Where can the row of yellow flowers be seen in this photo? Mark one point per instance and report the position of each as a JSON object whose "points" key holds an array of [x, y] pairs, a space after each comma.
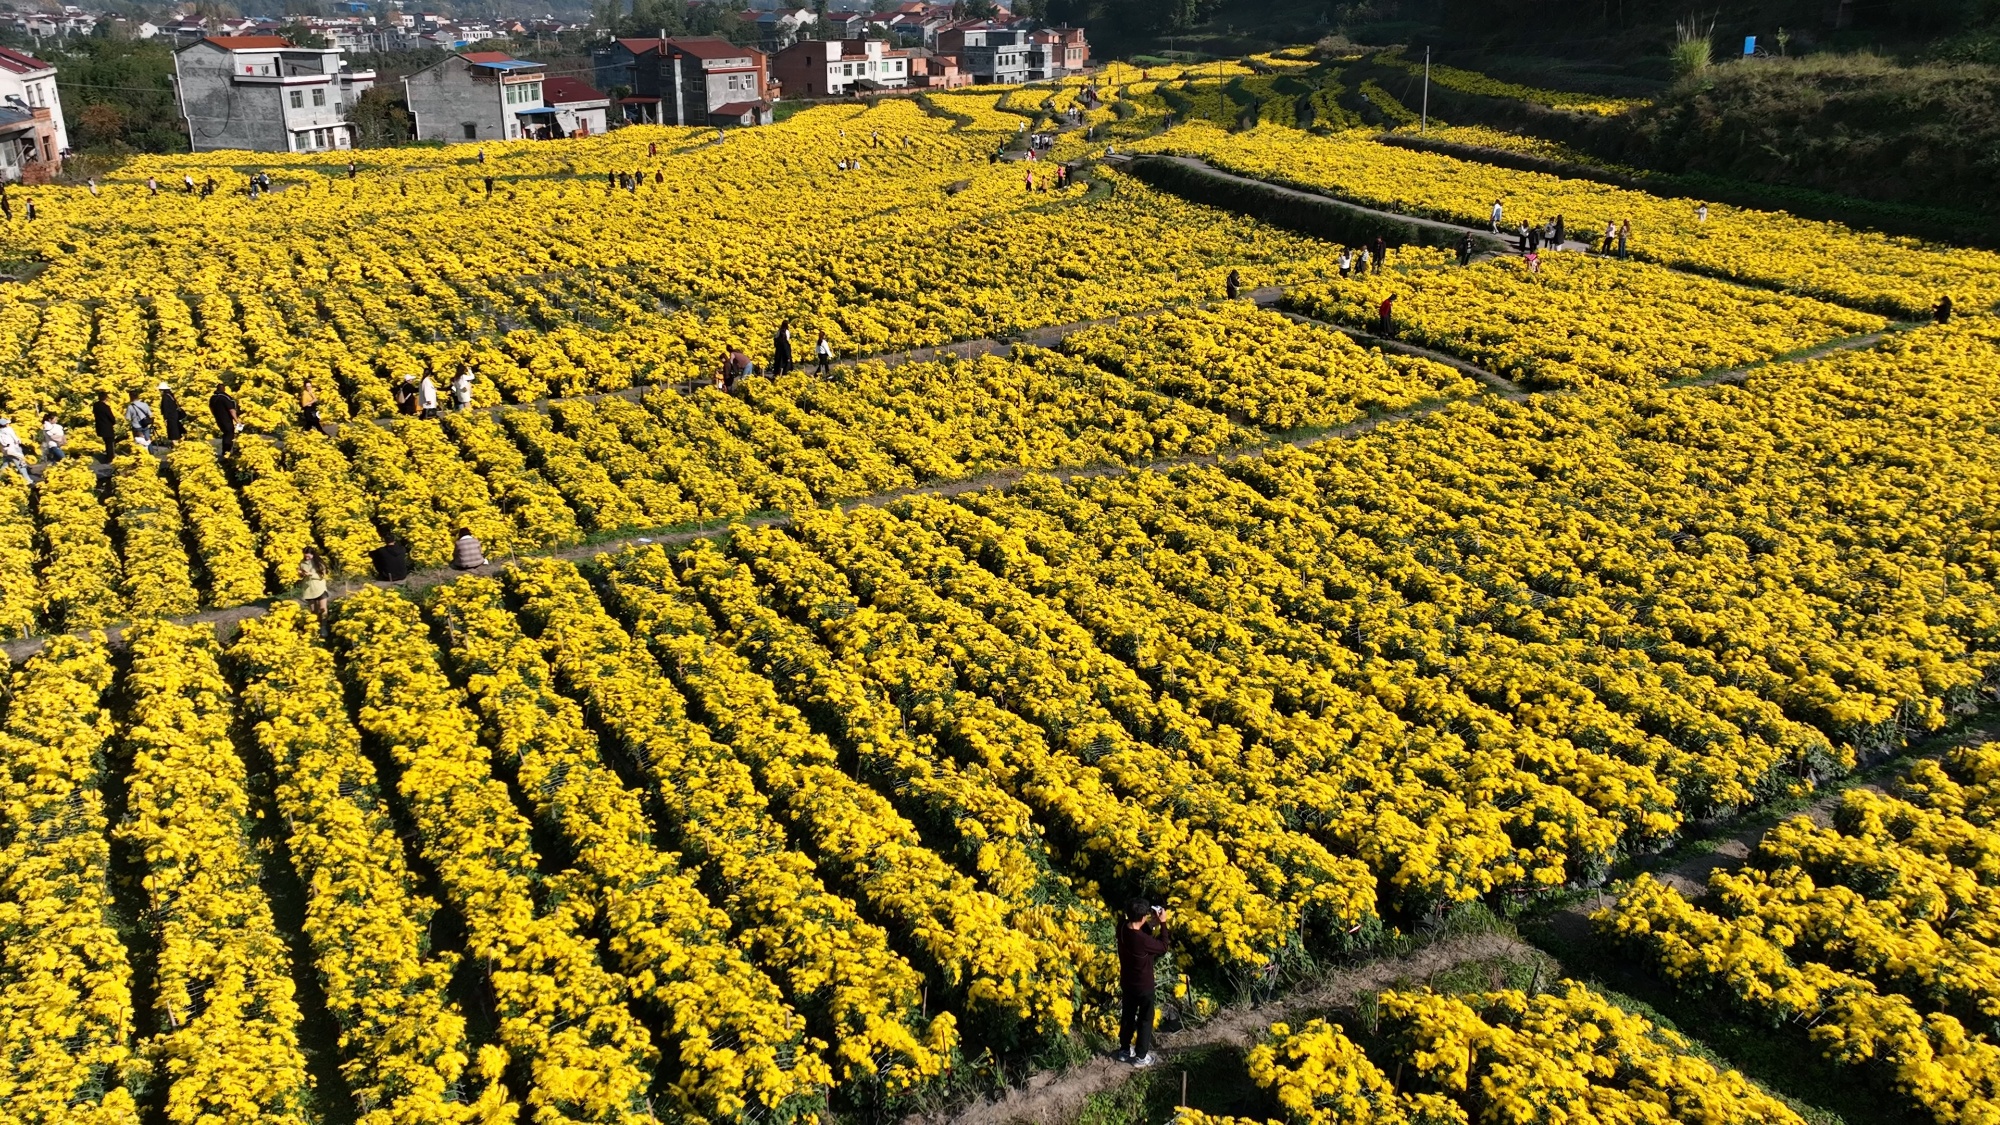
{"points": [[1499, 1058], [1573, 320], [1884, 274], [562, 1017], [858, 994], [227, 1042], [65, 975], [739, 1046], [405, 1052], [1878, 934]]}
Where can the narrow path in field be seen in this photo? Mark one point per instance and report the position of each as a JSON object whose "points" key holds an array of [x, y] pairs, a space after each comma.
{"points": [[1494, 245], [1490, 244], [1048, 1099]]}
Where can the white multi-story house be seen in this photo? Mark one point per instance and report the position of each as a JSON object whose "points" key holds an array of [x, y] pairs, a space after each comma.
{"points": [[821, 68], [264, 93], [32, 136]]}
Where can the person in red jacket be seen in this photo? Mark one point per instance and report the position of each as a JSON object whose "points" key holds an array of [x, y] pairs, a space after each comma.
{"points": [[1388, 312], [1142, 940]]}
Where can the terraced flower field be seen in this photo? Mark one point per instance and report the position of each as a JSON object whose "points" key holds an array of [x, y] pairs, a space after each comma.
{"points": [[795, 757]]}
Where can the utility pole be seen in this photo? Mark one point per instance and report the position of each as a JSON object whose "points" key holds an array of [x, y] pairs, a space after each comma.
{"points": [[1424, 123]]}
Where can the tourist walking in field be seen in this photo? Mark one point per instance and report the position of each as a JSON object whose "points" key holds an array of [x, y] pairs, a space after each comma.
{"points": [[10, 451], [1387, 313], [406, 396], [1465, 250], [222, 407], [1142, 941], [1496, 216], [1561, 235], [1610, 236], [781, 351], [313, 592], [1381, 253], [105, 421], [1701, 212], [139, 417], [171, 414], [1346, 264], [1624, 236], [309, 409], [823, 357], [465, 550], [55, 442], [427, 397], [461, 390]]}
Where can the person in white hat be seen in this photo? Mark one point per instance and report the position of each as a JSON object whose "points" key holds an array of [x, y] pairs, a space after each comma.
{"points": [[10, 450]]}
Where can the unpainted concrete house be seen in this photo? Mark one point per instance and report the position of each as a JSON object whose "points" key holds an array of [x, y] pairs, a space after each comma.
{"points": [[480, 96], [265, 93]]}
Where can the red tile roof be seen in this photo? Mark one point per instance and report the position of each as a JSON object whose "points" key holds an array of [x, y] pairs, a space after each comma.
{"points": [[487, 56], [568, 91], [21, 62], [249, 42], [737, 109], [710, 48], [640, 46]]}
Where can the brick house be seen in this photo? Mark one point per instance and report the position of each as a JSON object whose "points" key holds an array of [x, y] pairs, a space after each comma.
{"points": [[686, 81]]}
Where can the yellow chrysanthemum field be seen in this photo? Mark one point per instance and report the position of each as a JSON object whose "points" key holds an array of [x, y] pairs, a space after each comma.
{"points": [[798, 750]]}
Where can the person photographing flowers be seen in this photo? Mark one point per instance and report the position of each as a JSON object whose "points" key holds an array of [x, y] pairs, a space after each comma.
{"points": [[1142, 940]]}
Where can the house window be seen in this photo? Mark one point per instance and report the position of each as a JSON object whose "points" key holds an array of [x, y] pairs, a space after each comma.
{"points": [[319, 97], [471, 131], [298, 99]]}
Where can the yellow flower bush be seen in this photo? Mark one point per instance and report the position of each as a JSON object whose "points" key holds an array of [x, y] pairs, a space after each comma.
{"points": [[1582, 319], [227, 1043], [1279, 375], [1510, 1058], [19, 595], [740, 1045], [80, 569], [862, 997], [563, 1017], [65, 977], [1877, 933], [405, 1053], [231, 572], [1473, 82]]}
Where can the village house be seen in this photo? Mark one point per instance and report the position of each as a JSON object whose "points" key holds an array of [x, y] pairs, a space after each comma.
{"points": [[479, 96], [580, 110], [690, 81], [988, 50], [821, 68], [265, 93], [32, 135]]}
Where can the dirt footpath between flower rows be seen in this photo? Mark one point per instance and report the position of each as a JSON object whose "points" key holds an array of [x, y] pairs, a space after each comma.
{"points": [[1053, 1099]]}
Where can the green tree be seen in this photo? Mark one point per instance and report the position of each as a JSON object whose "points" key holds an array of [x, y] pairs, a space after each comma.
{"points": [[380, 119]]}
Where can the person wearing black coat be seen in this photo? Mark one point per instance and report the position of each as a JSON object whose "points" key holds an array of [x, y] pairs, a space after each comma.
{"points": [[172, 415], [222, 407], [1142, 940], [781, 351], [105, 421]]}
